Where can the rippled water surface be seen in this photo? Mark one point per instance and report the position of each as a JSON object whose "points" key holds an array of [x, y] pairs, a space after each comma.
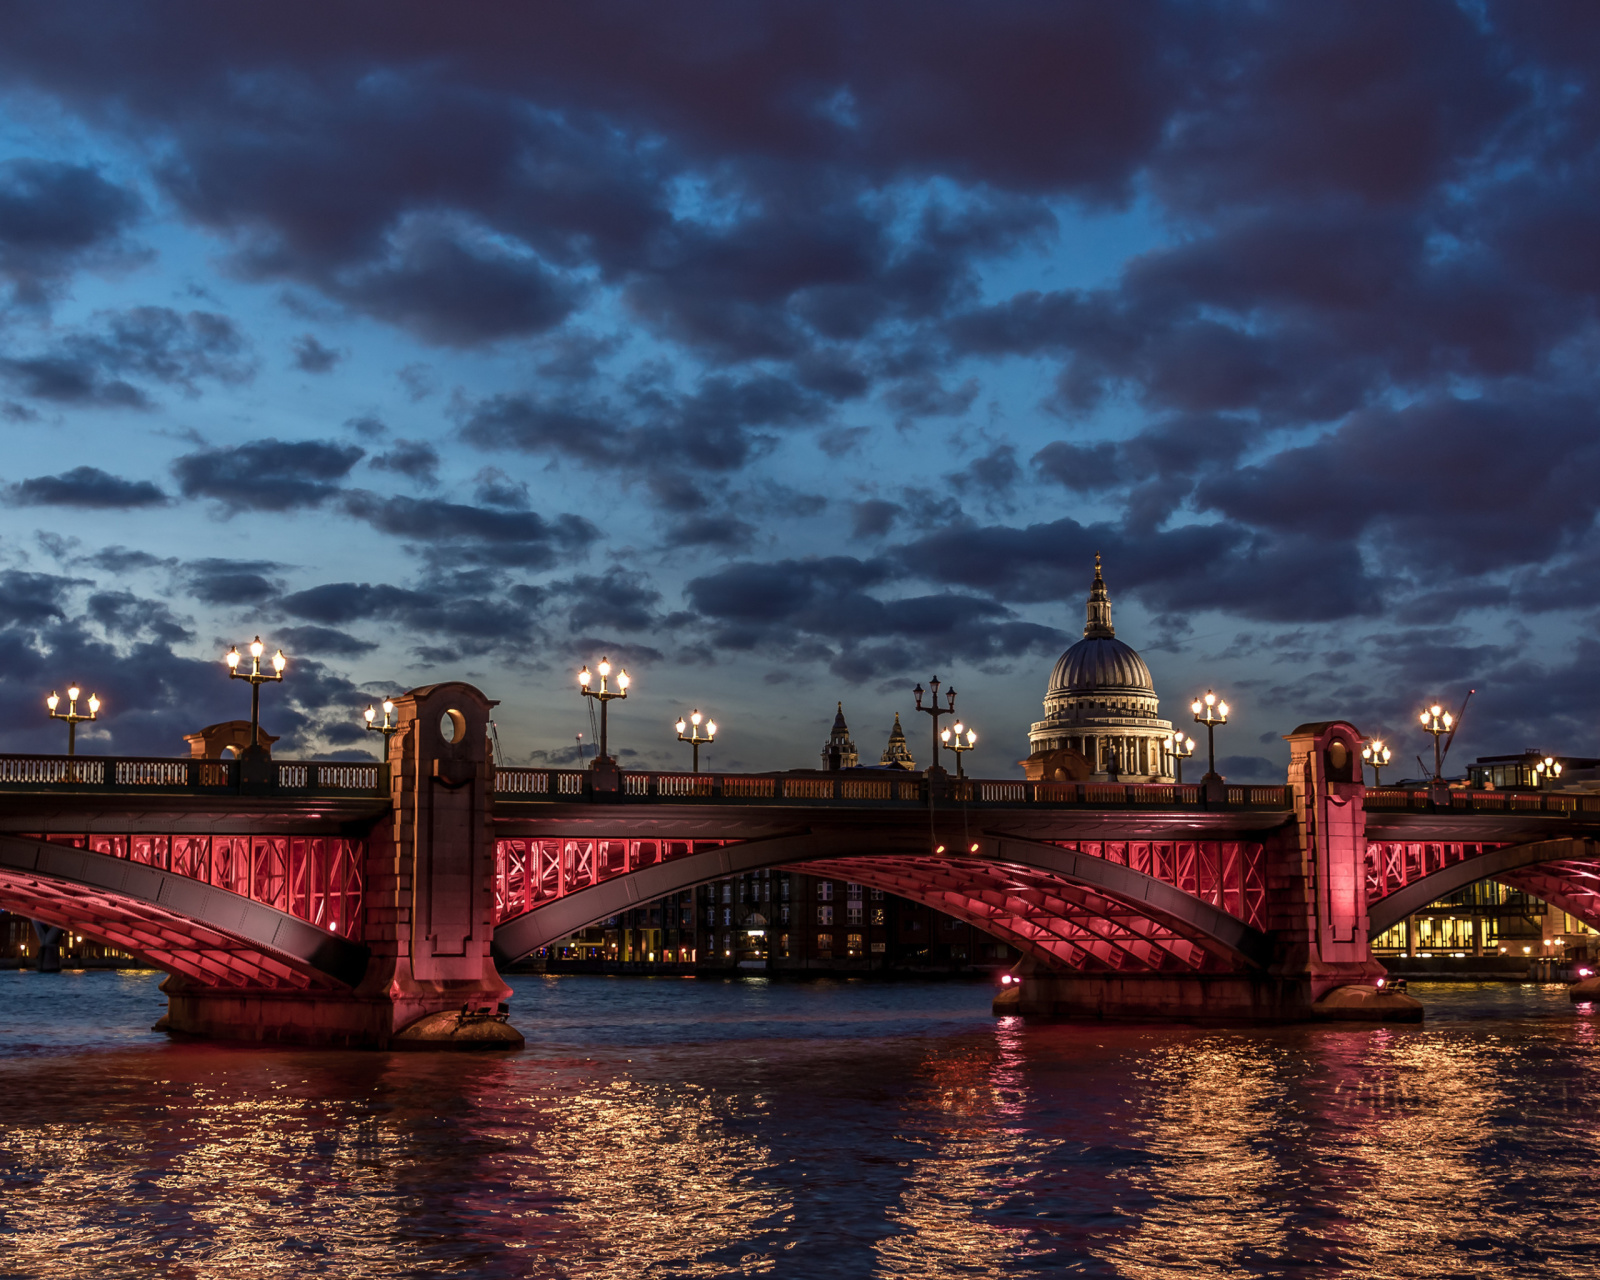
{"points": [[672, 1127]]}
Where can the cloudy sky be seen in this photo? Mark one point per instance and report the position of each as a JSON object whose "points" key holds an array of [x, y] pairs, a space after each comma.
{"points": [[793, 353]]}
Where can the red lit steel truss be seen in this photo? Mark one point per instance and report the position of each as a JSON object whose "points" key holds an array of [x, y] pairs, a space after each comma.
{"points": [[1065, 923], [1573, 885], [1392, 865], [316, 879]]}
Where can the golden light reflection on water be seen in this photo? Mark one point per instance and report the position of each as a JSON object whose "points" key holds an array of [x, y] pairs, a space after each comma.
{"points": [[1461, 1148]]}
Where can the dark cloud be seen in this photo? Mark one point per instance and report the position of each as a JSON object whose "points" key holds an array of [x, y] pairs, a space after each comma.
{"points": [[496, 489], [874, 517], [325, 642], [458, 534], [267, 475], [128, 617], [231, 582], [416, 459], [310, 356], [57, 218], [827, 607], [618, 600], [152, 344], [85, 487], [476, 617]]}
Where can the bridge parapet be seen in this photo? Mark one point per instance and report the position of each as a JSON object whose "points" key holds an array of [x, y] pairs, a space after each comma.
{"points": [[565, 785], [1465, 801], [148, 774]]}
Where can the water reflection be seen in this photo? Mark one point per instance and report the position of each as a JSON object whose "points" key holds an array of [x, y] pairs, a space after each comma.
{"points": [[695, 1129]]}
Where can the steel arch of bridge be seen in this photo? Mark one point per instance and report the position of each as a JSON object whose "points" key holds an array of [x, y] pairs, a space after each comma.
{"points": [[1061, 905], [1565, 873], [177, 922]]}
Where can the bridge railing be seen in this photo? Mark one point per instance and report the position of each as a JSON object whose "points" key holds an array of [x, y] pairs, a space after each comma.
{"points": [[1470, 801], [166, 774], [572, 784]]}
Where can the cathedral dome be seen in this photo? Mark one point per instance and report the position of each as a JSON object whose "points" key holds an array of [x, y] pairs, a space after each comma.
{"points": [[1100, 662]]}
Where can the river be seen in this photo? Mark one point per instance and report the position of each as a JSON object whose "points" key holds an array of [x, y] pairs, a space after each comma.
{"points": [[661, 1127]]}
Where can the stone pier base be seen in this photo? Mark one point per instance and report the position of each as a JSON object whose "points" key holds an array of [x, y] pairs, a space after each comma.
{"points": [[428, 1017], [1198, 998]]}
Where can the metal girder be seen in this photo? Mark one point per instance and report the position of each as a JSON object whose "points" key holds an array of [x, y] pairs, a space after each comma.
{"points": [[1192, 920], [76, 886], [1389, 911]]}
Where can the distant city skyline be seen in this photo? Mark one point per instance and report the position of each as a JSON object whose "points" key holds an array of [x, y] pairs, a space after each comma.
{"points": [[795, 355]]}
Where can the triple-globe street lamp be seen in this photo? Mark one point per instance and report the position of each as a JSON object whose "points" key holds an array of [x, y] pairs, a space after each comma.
{"points": [[1210, 711], [1377, 754], [1437, 721], [72, 715], [959, 739], [694, 737], [1547, 770], [603, 694], [387, 728], [1181, 748], [257, 677]]}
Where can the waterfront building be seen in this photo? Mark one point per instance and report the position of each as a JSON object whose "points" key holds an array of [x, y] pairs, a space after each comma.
{"points": [[1102, 717]]}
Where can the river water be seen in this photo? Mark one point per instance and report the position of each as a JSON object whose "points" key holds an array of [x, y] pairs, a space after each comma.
{"points": [[679, 1127]]}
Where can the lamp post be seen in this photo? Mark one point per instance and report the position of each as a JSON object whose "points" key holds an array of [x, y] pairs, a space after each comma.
{"points": [[694, 737], [72, 715], [1437, 721], [603, 695], [388, 728], [1377, 755], [935, 710], [257, 677], [1210, 711], [1182, 748], [952, 739], [1547, 770]]}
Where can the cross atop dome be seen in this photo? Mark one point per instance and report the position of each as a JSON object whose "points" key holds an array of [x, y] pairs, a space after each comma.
{"points": [[1099, 625]]}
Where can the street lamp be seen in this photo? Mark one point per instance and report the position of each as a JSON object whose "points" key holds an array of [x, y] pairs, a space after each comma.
{"points": [[257, 677], [1182, 748], [1210, 711], [1377, 755], [603, 694], [72, 715], [1547, 770], [695, 737], [1437, 721], [935, 710], [952, 739], [387, 728]]}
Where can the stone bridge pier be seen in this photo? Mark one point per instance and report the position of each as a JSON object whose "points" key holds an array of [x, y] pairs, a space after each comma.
{"points": [[1319, 964], [430, 980]]}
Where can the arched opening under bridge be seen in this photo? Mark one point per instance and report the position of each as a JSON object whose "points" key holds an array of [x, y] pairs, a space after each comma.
{"points": [[1065, 908], [1564, 873], [172, 921]]}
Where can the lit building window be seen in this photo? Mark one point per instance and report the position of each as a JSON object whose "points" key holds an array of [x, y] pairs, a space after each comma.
{"points": [[877, 915], [852, 944], [824, 915], [825, 944]]}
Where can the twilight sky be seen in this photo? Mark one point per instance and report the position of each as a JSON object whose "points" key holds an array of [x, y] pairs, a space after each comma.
{"points": [[793, 353]]}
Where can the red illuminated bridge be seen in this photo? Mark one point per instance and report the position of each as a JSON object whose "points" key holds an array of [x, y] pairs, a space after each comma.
{"points": [[366, 904]]}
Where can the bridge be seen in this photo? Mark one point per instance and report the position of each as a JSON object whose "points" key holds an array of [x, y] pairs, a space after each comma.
{"points": [[376, 904]]}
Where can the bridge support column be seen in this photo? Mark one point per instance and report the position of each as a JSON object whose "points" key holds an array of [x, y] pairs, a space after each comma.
{"points": [[1320, 920], [427, 908]]}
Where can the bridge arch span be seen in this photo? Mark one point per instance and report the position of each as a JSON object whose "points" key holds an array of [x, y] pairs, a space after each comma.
{"points": [[1565, 873], [174, 922], [1066, 908]]}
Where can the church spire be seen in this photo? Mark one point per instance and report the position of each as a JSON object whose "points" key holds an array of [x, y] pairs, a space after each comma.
{"points": [[1099, 625]]}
